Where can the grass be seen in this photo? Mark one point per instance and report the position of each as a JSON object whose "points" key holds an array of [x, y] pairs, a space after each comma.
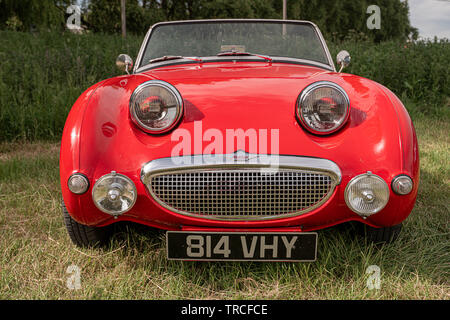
{"points": [[36, 250]]}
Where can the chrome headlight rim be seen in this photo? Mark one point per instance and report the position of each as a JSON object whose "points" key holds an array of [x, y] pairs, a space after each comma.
{"points": [[172, 90], [310, 88], [104, 177], [354, 180]]}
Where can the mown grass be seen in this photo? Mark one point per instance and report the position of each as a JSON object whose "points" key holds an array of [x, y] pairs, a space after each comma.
{"points": [[36, 250]]}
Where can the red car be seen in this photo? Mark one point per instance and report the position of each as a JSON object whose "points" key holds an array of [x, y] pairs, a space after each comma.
{"points": [[240, 139]]}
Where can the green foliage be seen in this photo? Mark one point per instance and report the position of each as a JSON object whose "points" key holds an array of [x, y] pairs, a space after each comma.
{"points": [[41, 75], [337, 19], [222, 9], [417, 72], [105, 16], [29, 15], [340, 19]]}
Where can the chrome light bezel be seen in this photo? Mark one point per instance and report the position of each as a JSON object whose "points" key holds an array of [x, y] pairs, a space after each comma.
{"points": [[104, 177], [353, 181], [78, 175], [172, 90], [308, 90], [396, 179]]}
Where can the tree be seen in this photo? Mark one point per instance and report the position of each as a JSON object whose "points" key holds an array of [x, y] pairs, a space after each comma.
{"points": [[337, 19], [105, 16], [221, 9], [26, 15], [343, 19]]}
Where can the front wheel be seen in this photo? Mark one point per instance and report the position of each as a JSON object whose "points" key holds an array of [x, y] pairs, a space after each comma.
{"points": [[382, 235], [82, 235]]}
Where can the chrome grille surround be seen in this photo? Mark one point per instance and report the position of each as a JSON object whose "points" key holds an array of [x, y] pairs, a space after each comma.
{"points": [[241, 186]]}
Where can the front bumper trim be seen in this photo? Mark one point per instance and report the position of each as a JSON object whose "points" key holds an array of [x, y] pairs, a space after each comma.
{"points": [[239, 159]]}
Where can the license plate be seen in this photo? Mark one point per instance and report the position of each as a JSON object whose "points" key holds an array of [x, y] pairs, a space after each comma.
{"points": [[241, 246]]}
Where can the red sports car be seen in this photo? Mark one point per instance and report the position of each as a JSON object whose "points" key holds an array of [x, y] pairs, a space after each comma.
{"points": [[240, 139]]}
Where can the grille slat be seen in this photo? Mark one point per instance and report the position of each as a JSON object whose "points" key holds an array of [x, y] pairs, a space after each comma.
{"points": [[244, 194]]}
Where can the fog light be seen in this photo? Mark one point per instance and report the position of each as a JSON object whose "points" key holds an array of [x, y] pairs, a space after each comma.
{"points": [[78, 183], [402, 185], [114, 194], [366, 194]]}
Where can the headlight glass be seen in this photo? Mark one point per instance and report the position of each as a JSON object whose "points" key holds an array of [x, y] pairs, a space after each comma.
{"points": [[114, 194], [366, 194], [323, 107], [156, 106]]}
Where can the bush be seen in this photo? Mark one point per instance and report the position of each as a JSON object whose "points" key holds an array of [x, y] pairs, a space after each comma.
{"points": [[41, 75], [416, 72]]}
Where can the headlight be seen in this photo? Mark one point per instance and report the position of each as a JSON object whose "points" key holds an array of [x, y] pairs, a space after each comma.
{"points": [[366, 194], [114, 194], [156, 106], [323, 107]]}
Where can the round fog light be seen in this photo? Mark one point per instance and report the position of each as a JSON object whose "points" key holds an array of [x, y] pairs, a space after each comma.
{"points": [[402, 185], [366, 194], [78, 183], [114, 194]]}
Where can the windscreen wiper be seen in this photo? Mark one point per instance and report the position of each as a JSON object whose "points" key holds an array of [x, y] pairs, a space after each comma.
{"points": [[236, 53], [165, 58]]}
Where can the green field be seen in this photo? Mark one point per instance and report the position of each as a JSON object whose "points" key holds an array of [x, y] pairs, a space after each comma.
{"points": [[36, 250]]}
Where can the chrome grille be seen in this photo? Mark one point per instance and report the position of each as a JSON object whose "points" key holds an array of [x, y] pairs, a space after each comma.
{"points": [[241, 194]]}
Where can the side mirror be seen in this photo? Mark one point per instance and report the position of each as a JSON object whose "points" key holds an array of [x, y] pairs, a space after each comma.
{"points": [[124, 63], [343, 59]]}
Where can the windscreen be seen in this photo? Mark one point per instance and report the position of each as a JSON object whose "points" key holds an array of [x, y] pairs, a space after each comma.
{"points": [[206, 39]]}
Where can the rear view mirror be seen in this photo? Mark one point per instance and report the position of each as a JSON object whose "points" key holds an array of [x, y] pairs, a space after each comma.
{"points": [[343, 59], [124, 63]]}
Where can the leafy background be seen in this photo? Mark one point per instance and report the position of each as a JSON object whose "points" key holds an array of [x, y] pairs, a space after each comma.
{"points": [[42, 74], [44, 68]]}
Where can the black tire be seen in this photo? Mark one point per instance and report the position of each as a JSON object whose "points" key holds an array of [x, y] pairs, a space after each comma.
{"points": [[382, 235], [82, 235]]}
